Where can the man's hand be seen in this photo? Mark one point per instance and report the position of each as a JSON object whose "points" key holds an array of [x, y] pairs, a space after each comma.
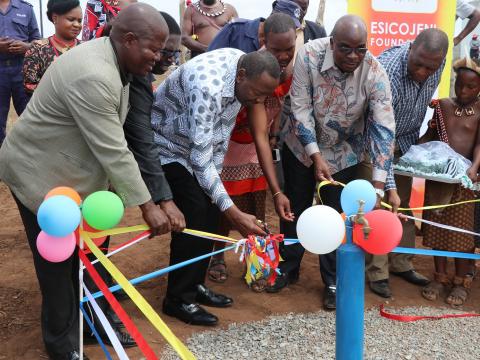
{"points": [[155, 218], [282, 207], [5, 44], [177, 220], [246, 224], [394, 199], [18, 47], [321, 168]]}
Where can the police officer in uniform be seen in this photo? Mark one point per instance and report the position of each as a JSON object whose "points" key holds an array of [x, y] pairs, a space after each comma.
{"points": [[18, 28]]}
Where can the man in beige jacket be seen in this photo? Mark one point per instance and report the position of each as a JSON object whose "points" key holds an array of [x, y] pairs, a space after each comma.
{"points": [[71, 134]]}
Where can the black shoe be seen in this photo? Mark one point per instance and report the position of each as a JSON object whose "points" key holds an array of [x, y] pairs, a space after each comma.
{"points": [[189, 313], [293, 277], [113, 318], [413, 277], [381, 288], [72, 355], [280, 282], [124, 337], [330, 297], [207, 297]]}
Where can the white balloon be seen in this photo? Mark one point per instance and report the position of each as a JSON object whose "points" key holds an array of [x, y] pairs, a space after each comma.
{"points": [[320, 229]]}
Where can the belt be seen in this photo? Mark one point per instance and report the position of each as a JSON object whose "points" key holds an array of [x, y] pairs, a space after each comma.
{"points": [[11, 62]]}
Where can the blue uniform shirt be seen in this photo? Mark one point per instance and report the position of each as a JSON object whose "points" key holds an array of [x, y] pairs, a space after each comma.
{"points": [[18, 23], [240, 34]]}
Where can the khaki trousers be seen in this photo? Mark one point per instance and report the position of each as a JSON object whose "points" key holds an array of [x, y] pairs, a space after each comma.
{"points": [[377, 266]]}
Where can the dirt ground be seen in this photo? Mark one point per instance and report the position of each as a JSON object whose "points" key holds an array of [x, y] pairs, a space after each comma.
{"points": [[20, 298], [20, 334]]}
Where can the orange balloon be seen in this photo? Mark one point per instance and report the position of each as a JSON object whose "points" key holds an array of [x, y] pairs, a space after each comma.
{"points": [[65, 191]]}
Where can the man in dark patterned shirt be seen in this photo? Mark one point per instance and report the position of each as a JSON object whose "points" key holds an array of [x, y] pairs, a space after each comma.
{"points": [[414, 70]]}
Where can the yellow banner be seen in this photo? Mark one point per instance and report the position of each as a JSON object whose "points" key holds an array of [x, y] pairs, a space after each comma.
{"points": [[393, 22]]}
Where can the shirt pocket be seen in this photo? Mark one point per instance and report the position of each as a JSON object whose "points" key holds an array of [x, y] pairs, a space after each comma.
{"points": [[20, 28]]}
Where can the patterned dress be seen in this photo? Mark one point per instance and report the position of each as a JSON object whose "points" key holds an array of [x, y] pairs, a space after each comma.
{"points": [[461, 216], [38, 58], [242, 174]]}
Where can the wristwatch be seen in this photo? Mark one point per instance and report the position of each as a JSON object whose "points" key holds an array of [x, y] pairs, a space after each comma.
{"points": [[380, 193]]}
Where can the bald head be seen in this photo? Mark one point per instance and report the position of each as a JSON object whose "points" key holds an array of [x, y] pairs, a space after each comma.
{"points": [[351, 26], [349, 42], [139, 33], [141, 19]]}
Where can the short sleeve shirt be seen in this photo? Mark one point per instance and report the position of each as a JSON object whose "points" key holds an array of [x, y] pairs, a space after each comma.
{"points": [[464, 9]]}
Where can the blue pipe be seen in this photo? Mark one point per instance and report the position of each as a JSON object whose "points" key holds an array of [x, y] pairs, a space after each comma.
{"points": [[350, 299]]}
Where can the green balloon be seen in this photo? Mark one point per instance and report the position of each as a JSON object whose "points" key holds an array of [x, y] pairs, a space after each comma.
{"points": [[102, 210]]}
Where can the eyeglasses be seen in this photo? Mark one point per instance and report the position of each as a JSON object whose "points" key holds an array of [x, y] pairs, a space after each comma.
{"points": [[348, 50], [172, 53]]}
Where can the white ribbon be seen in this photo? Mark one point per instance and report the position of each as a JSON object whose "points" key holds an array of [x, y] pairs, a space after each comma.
{"points": [[122, 355], [443, 226]]}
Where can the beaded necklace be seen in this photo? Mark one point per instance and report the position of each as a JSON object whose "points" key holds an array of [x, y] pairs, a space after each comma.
{"points": [[215, 14]]}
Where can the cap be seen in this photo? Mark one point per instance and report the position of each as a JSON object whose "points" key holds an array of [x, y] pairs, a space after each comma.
{"points": [[289, 8]]}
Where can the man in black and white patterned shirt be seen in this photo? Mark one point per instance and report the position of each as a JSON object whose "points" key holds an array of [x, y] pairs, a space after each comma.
{"points": [[193, 116]]}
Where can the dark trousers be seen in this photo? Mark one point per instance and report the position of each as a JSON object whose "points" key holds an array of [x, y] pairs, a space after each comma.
{"points": [[299, 188], [59, 286], [200, 214], [11, 87]]}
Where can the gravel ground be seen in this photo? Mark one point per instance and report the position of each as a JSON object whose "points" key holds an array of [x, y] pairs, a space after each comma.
{"points": [[312, 336]]}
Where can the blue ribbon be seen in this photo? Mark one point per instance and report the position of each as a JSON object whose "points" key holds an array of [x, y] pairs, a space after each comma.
{"points": [[160, 272], [398, 250], [97, 336]]}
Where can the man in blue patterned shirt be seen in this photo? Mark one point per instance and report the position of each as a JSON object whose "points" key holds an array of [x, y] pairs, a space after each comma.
{"points": [[414, 70], [193, 116], [341, 106]]}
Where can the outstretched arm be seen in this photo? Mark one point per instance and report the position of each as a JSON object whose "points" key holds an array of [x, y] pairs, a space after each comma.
{"points": [[258, 122]]}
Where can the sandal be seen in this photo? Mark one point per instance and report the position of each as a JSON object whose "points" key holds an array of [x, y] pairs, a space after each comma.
{"points": [[436, 287], [217, 271], [460, 291]]}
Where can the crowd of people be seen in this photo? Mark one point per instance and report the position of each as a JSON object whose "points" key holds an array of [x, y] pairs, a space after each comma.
{"points": [[198, 151]]}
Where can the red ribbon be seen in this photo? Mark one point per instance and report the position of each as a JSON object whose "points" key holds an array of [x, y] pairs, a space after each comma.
{"points": [[129, 325], [410, 318]]}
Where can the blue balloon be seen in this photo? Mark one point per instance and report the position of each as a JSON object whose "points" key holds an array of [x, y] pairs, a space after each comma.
{"points": [[353, 192], [59, 216]]}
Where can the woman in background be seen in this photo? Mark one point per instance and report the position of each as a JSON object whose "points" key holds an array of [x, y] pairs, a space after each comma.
{"points": [[66, 15]]}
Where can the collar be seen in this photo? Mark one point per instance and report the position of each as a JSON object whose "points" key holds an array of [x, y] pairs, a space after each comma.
{"points": [[404, 59], [328, 62], [15, 3], [124, 76]]}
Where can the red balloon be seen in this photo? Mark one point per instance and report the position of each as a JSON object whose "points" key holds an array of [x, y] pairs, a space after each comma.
{"points": [[385, 232], [97, 241]]}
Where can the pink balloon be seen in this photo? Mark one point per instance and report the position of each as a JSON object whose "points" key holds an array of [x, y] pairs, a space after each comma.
{"points": [[55, 249]]}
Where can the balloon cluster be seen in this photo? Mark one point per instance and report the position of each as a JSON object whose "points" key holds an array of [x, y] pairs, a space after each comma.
{"points": [[321, 229], [60, 214]]}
